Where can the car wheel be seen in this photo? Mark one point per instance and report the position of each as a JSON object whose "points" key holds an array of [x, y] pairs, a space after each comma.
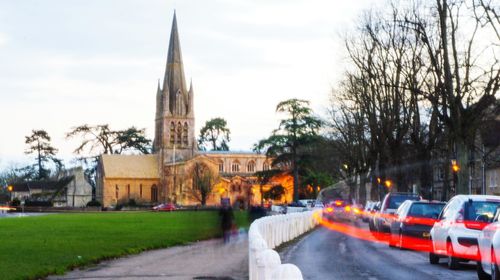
{"points": [[433, 258], [402, 244], [495, 272], [481, 275], [392, 241], [452, 261]]}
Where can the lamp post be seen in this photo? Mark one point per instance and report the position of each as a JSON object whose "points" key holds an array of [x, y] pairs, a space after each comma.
{"points": [[455, 168], [10, 189]]}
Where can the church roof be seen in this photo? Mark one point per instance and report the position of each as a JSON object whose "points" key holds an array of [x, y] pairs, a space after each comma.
{"points": [[174, 81], [130, 166], [231, 153], [43, 185]]}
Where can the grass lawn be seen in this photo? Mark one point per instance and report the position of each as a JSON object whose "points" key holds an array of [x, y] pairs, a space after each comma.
{"points": [[33, 247]]}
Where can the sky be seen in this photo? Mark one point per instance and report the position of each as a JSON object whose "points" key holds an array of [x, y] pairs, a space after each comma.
{"points": [[67, 63]]}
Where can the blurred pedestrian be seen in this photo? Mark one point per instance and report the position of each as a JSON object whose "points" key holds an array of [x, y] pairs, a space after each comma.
{"points": [[227, 217]]}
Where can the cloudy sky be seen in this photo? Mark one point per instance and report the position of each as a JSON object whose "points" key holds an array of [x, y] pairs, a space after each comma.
{"points": [[66, 63]]}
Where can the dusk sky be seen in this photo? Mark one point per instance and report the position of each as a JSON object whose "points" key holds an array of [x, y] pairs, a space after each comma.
{"points": [[67, 63]]}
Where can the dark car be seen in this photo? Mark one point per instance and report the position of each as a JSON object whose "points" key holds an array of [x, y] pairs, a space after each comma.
{"points": [[382, 219], [413, 222]]}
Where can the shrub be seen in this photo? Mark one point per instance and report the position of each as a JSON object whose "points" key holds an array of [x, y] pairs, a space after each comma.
{"points": [[15, 202], [93, 203], [132, 202], [39, 203]]}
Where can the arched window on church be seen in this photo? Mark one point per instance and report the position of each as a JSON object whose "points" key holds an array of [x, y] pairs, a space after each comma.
{"points": [[265, 166], [235, 166], [179, 133], [172, 133], [185, 134], [154, 193], [179, 103], [251, 166]]}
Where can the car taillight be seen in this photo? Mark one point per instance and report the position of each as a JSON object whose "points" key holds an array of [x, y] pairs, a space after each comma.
{"points": [[475, 225]]}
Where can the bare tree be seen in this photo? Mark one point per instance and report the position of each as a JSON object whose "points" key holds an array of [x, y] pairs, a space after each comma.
{"points": [[203, 181], [465, 76]]}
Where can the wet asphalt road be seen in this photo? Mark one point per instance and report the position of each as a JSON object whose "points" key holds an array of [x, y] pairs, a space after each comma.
{"points": [[326, 254]]}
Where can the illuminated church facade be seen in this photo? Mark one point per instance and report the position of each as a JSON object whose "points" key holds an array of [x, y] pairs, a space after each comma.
{"points": [[168, 175]]}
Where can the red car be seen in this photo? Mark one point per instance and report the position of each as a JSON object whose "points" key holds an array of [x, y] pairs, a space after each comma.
{"points": [[165, 207]]}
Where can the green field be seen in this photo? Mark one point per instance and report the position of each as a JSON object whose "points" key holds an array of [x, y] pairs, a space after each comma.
{"points": [[32, 247]]}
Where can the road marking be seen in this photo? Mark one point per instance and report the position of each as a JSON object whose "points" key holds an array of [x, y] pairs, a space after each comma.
{"points": [[342, 248]]}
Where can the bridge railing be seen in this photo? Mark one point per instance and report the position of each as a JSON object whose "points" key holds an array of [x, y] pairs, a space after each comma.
{"points": [[267, 233]]}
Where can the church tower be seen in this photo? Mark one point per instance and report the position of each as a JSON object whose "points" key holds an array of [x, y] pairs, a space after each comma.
{"points": [[174, 121]]}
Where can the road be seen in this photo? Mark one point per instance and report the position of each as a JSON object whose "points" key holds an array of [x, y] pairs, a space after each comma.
{"points": [[328, 254]]}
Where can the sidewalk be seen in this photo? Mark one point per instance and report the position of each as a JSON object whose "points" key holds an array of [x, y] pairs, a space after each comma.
{"points": [[211, 259]]}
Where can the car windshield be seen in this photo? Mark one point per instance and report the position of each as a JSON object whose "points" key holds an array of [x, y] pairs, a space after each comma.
{"points": [[396, 200], [427, 210], [477, 208]]}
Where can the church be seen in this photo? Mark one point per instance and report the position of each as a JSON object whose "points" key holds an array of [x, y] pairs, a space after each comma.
{"points": [[177, 171]]}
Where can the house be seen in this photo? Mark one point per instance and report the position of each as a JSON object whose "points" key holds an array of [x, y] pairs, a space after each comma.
{"points": [[68, 189]]}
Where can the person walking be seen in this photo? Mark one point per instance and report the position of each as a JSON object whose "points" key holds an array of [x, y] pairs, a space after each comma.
{"points": [[227, 216]]}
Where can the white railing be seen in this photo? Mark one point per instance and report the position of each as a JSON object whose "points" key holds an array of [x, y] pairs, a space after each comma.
{"points": [[268, 232]]}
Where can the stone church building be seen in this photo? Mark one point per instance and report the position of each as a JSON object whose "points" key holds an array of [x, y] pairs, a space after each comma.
{"points": [[176, 166]]}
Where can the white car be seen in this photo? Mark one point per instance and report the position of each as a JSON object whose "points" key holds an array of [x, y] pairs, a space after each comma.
{"points": [[489, 250], [455, 234], [318, 205]]}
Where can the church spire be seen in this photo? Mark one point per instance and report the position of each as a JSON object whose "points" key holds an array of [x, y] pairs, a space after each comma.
{"points": [[174, 74]]}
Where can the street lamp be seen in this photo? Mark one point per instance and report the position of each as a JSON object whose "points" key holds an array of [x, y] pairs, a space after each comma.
{"points": [[388, 183], [10, 189], [454, 166]]}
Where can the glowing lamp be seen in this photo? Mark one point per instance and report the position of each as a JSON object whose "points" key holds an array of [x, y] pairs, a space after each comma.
{"points": [[454, 166], [388, 183]]}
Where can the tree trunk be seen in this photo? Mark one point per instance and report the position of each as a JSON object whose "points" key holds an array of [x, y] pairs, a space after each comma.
{"points": [[446, 182], [462, 153], [362, 188], [295, 182], [40, 170], [426, 175], [261, 196]]}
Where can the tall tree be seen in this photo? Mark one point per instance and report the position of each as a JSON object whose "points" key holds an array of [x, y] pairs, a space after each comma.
{"points": [[39, 144], [101, 139], [133, 139], [203, 181], [264, 177], [464, 71], [298, 129], [214, 135]]}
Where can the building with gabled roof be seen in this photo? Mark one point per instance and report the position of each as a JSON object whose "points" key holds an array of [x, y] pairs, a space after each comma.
{"points": [[68, 189]]}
